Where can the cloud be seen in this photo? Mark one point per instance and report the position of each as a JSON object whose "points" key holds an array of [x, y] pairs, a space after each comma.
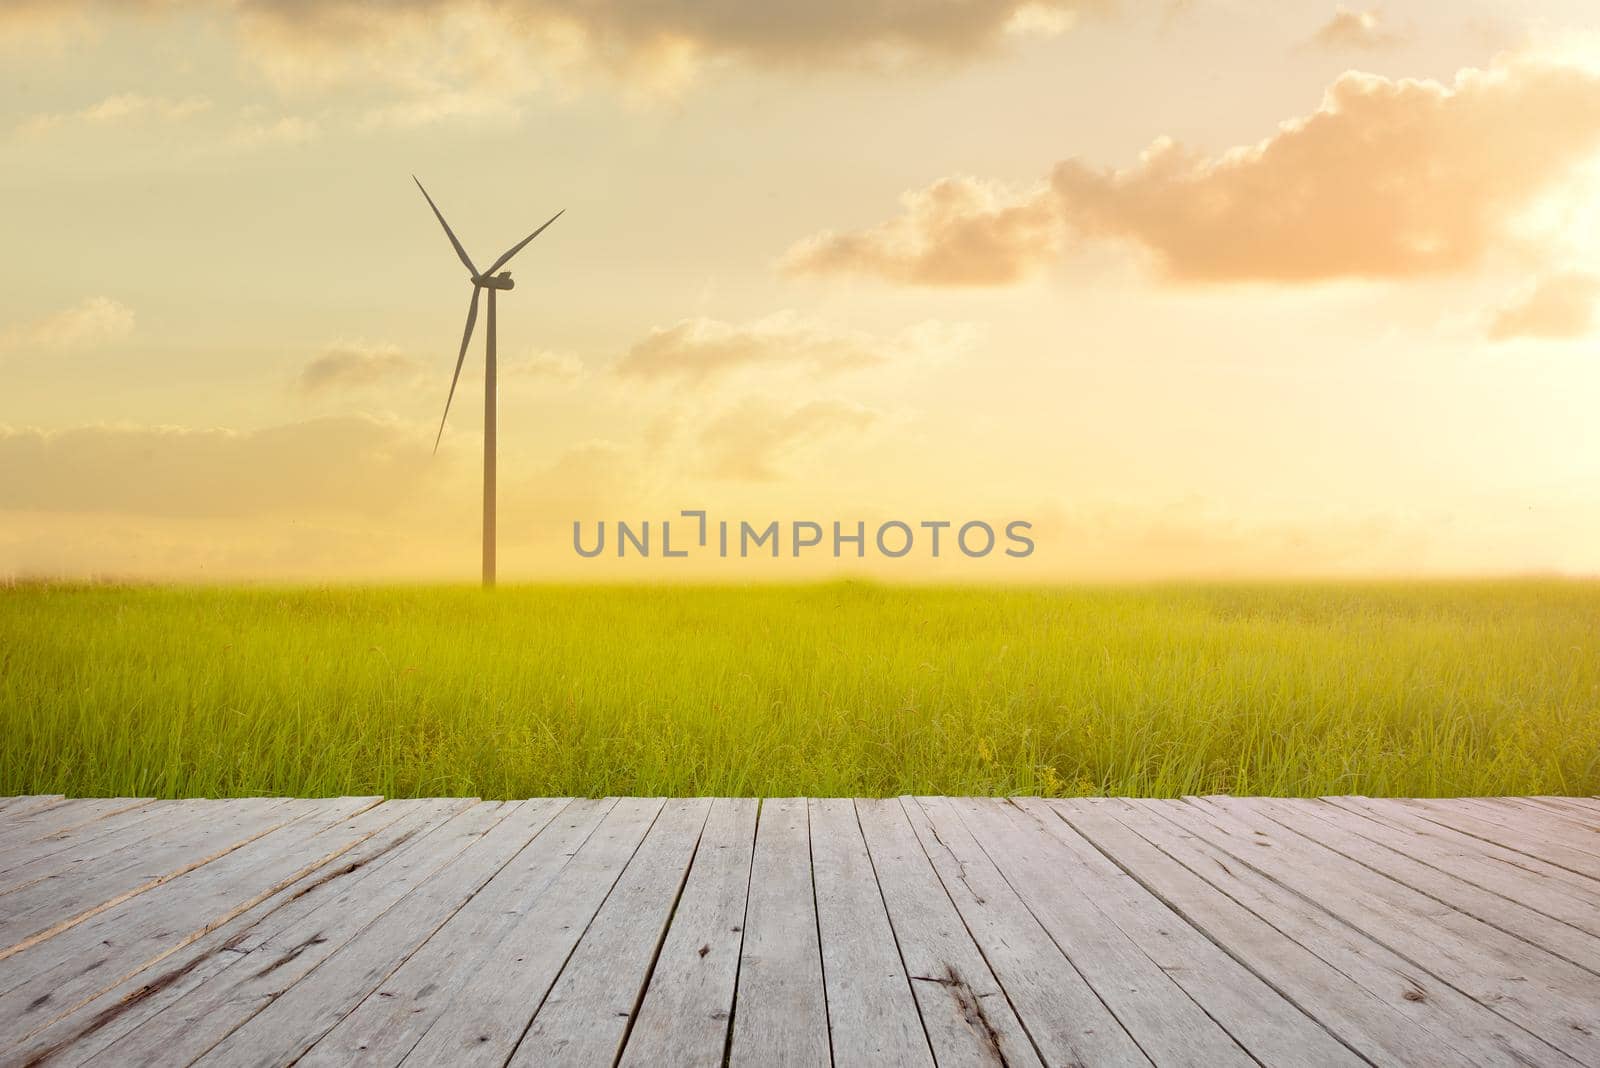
{"points": [[320, 466], [543, 366], [1386, 179], [1356, 31], [700, 349], [753, 442], [346, 367], [254, 132], [94, 321], [488, 39], [1555, 308], [121, 107], [453, 58], [958, 231]]}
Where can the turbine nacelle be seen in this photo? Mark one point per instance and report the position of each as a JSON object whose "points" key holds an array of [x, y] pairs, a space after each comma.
{"points": [[497, 281]]}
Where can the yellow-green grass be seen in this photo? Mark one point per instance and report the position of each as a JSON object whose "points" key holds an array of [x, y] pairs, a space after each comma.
{"points": [[1381, 689]]}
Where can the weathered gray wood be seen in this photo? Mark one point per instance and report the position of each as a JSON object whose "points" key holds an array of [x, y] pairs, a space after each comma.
{"points": [[61, 818], [490, 1014], [1374, 1000], [385, 1026], [32, 861], [585, 1016], [684, 1016], [1551, 819], [1154, 1007], [872, 1014], [58, 976], [780, 1009], [951, 931], [1066, 1016], [966, 1015], [1256, 1016], [1391, 814], [1555, 937], [177, 1008], [1498, 970], [297, 1018], [42, 909], [1529, 891], [43, 816], [1573, 809], [1486, 823], [105, 843], [27, 804]]}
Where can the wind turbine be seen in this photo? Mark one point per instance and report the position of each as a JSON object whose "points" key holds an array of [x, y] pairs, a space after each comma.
{"points": [[493, 280]]}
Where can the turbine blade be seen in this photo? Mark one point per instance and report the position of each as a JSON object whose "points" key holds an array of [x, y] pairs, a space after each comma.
{"points": [[503, 260], [466, 339], [451, 234]]}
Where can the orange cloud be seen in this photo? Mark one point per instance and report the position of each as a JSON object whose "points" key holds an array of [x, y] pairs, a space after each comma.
{"points": [[957, 232], [752, 443], [1360, 31], [454, 57], [1555, 308], [353, 367], [121, 107], [699, 349], [94, 321], [179, 471], [1386, 179]]}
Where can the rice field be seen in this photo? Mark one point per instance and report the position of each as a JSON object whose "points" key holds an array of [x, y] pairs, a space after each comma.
{"points": [[844, 688]]}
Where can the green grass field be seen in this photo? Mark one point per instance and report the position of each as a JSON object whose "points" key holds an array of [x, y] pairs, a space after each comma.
{"points": [[1465, 688]]}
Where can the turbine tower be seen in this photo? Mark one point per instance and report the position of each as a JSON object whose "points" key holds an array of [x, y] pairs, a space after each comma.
{"points": [[493, 280]]}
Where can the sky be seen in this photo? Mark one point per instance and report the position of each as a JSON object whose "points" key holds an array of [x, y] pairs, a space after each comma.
{"points": [[1196, 289]]}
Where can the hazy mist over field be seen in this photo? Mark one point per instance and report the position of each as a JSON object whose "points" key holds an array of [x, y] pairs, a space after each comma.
{"points": [[1196, 289]]}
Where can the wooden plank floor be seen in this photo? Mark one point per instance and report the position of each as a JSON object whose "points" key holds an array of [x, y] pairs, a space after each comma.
{"points": [[911, 931]]}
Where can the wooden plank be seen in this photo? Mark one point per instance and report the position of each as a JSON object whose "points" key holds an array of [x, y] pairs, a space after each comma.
{"points": [[1153, 1006], [1562, 823], [61, 900], [964, 1011], [585, 1017], [30, 803], [1374, 1000], [1508, 828], [1493, 825], [780, 1010], [285, 1028], [57, 977], [872, 1014], [46, 814], [177, 821], [35, 861], [62, 818], [1549, 997], [1531, 891], [1469, 822], [490, 1014], [179, 1007], [385, 1026], [1540, 819], [1256, 1016], [684, 1016], [1392, 814], [1512, 916], [1068, 1018], [1573, 809]]}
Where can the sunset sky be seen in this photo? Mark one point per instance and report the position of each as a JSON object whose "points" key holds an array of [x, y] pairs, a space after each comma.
{"points": [[1197, 288]]}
